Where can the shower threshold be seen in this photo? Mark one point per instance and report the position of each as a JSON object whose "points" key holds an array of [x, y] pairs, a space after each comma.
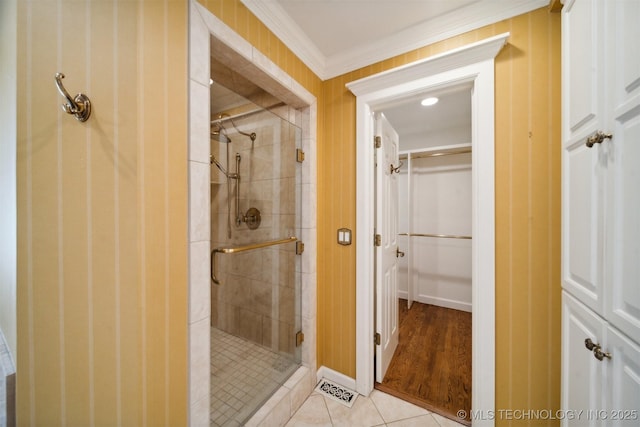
{"points": [[243, 377]]}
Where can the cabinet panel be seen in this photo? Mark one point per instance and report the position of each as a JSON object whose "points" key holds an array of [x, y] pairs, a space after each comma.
{"points": [[581, 371], [622, 19], [584, 169], [622, 260], [582, 68], [583, 224], [623, 397]]}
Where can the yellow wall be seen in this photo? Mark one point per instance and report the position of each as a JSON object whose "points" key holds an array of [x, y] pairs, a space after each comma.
{"points": [[527, 211], [102, 209], [8, 76], [102, 214]]}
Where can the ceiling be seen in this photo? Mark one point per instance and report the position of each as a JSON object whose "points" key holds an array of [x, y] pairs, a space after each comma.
{"points": [[333, 37]]}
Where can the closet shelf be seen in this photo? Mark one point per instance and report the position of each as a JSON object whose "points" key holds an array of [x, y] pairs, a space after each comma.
{"points": [[438, 236]]}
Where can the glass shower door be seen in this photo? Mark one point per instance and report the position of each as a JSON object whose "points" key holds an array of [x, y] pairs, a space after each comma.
{"points": [[256, 222]]}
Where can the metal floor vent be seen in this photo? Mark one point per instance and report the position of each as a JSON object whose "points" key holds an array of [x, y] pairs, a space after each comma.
{"points": [[337, 392]]}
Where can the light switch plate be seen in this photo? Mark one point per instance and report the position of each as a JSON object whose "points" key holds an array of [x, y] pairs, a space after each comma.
{"points": [[344, 236]]}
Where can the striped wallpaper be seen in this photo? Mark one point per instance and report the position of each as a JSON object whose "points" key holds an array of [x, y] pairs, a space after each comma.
{"points": [[102, 209], [102, 214], [527, 211]]}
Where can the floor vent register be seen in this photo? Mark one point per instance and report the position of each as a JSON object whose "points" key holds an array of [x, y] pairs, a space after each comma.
{"points": [[336, 392]]}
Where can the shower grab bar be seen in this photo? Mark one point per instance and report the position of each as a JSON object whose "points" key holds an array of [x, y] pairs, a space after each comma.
{"points": [[248, 247], [439, 236]]}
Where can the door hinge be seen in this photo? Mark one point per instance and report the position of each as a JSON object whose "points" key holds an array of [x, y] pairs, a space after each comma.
{"points": [[299, 338], [377, 240], [299, 155], [299, 247], [376, 338], [377, 141]]}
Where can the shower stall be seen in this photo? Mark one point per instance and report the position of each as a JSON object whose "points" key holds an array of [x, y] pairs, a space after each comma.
{"points": [[256, 178]]}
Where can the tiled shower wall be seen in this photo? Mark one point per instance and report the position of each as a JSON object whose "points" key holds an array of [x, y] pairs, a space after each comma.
{"points": [[205, 27], [257, 298]]}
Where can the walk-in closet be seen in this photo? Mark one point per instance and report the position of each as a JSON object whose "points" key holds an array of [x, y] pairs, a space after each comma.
{"points": [[431, 366]]}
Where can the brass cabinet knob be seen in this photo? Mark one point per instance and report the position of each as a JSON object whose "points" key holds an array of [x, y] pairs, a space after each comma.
{"points": [[597, 350], [597, 138], [590, 345], [599, 354]]}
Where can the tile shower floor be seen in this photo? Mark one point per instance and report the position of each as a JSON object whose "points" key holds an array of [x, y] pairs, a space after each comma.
{"points": [[243, 376]]}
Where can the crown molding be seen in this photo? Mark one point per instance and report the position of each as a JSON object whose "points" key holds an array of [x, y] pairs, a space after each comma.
{"points": [[462, 20], [456, 58], [280, 23]]}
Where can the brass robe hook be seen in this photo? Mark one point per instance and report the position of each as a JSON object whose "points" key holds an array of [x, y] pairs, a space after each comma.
{"points": [[80, 106], [396, 169]]}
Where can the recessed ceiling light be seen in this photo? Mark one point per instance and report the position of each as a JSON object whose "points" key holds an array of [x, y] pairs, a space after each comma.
{"points": [[429, 101]]}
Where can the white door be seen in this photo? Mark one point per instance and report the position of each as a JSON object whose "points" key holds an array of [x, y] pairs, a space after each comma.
{"points": [[581, 371], [386, 252], [601, 205], [622, 156], [623, 388], [583, 167]]}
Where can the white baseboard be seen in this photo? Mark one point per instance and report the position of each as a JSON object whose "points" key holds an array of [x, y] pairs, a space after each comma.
{"points": [[443, 302], [336, 377], [440, 302]]}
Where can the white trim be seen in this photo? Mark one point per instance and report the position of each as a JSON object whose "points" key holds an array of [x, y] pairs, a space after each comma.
{"points": [[444, 302], [336, 377], [470, 64], [459, 21]]}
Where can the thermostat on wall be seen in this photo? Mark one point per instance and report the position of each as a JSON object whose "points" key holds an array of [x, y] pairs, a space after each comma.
{"points": [[344, 236]]}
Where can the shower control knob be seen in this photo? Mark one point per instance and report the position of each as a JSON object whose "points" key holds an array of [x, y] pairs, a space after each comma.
{"points": [[252, 218]]}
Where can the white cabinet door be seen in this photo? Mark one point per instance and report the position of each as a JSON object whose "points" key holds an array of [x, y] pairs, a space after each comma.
{"points": [[623, 380], [582, 373], [622, 153], [584, 168]]}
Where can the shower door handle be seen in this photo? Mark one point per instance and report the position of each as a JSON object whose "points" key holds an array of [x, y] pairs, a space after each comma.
{"points": [[248, 247], [214, 279]]}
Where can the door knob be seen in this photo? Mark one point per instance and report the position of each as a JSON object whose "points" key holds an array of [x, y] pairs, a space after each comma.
{"points": [[597, 138], [399, 253]]}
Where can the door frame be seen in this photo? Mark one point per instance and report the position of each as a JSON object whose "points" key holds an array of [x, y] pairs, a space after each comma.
{"points": [[473, 63]]}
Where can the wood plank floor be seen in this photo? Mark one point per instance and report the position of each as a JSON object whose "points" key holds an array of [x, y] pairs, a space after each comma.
{"points": [[432, 364]]}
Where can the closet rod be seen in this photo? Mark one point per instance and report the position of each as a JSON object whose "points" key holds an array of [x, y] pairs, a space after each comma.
{"points": [[439, 236], [435, 154]]}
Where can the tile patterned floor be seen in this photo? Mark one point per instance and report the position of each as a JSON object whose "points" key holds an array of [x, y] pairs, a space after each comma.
{"points": [[243, 376], [379, 409]]}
